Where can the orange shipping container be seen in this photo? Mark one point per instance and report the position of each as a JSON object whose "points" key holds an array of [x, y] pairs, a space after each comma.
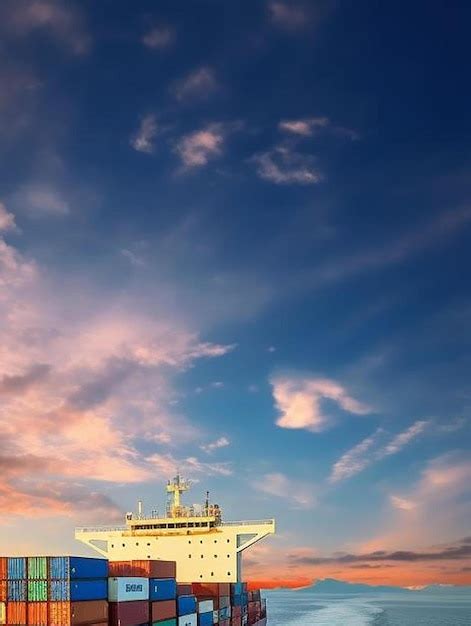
{"points": [[16, 613], [37, 613], [3, 590], [146, 569], [3, 568], [70, 613]]}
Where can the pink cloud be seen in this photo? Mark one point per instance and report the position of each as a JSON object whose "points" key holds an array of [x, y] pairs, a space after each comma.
{"points": [[299, 401], [159, 38], [7, 220], [197, 148], [198, 84], [299, 493]]}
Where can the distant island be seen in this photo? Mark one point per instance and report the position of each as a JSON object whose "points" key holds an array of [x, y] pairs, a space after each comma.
{"points": [[331, 585]]}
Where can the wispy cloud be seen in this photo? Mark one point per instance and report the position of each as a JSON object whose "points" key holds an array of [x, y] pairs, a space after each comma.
{"points": [[299, 493], [304, 127], [133, 258], [143, 139], [199, 147], [159, 38], [369, 451], [198, 84], [284, 166], [288, 16], [222, 442], [7, 219], [299, 400], [168, 465], [63, 22], [42, 199]]}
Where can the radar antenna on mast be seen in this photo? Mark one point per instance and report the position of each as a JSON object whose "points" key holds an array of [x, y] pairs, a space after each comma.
{"points": [[175, 488]]}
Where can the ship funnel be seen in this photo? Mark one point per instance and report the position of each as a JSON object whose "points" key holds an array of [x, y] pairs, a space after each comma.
{"points": [[139, 508]]}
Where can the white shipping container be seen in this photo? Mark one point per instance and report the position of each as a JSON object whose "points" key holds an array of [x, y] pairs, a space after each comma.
{"points": [[127, 589], [188, 620], [216, 617], [205, 606], [3, 613]]}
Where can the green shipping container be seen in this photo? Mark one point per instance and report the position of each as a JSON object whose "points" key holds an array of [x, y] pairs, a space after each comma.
{"points": [[165, 622], [37, 568], [37, 590]]}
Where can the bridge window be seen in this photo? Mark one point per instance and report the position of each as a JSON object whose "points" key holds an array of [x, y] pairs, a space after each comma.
{"points": [[137, 543], [212, 573], [124, 545], [215, 556]]}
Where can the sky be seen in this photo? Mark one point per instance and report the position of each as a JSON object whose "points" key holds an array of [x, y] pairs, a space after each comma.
{"points": [[235, 243]]}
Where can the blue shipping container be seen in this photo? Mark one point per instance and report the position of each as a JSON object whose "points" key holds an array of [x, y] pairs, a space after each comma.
{"points": [[186, 605], [74, 567], [16, 591], [205, 619], [16, 568], [237, 600], [237, 589], [78, 590], [162, 589]]}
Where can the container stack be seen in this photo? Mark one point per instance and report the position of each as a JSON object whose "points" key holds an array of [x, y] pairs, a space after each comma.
{"points": [[53, 591], [143, 592], [77, 591]]}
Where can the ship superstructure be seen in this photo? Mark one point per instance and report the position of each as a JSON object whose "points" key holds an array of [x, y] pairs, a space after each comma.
{"points": [[205, 547]]}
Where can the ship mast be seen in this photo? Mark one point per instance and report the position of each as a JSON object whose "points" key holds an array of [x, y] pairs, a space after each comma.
{"points": [[176, 488]]}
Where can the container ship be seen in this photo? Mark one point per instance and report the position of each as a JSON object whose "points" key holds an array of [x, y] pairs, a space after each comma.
{"points": [[183, 568]]}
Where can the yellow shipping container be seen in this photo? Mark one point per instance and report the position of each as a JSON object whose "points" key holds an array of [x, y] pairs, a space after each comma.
{"points": [[3, 613]]}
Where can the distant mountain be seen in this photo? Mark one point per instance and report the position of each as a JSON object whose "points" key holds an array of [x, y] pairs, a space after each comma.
{"points": [[331, 585]]}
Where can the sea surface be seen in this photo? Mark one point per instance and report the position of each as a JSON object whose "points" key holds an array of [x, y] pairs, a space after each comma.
{"points": [[304, 608]]}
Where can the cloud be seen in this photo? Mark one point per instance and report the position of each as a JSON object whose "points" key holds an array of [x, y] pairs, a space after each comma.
{"points": [[363, 454], [105, 388], [143, 139], [62, 22], [133, 258], [159, 38], [402, 503], [168, 465], [7, 220], [279, 485], [284, 166], [198, 84], [355, 460], [197, 148], [460, 550], [304, 127], [42, 199], [289, 16], [299, 401], [222, 442]]}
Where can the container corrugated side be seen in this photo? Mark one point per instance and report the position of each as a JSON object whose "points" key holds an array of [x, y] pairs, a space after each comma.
{"points": [[205, 606], [37, 567], [78, 590], [3, 613], [37, 613], [128, 613], [163, 610], [205, 619], [186, 605], [3, 568], [77, 567], [3, 590], [166, 622], [16, 613], [16, 591], [70, 613], [16, 568], [37, 591]]}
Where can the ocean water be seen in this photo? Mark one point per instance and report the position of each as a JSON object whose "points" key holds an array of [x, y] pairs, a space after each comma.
{"points": [[303, 608]]}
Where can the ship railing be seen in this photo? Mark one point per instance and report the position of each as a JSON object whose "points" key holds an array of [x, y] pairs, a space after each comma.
{"points": [[98, 529], [258, 522]]}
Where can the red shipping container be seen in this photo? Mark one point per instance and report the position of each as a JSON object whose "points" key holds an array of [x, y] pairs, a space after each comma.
{"points": [[71, 613], [236, 611], [224, 589], [184, 589], [128, 613], [16, 613], [225, 622], [3, 568], [3, 590], [206, 590], [236, 621], [164, 609], [37, 613], [153, 568]]}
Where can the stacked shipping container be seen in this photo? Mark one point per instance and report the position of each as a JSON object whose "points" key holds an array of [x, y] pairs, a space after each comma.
{"points": [[53, 591], [77, 591]]}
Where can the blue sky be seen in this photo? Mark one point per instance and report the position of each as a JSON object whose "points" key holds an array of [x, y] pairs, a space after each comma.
{"points": [[234, 240]]}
